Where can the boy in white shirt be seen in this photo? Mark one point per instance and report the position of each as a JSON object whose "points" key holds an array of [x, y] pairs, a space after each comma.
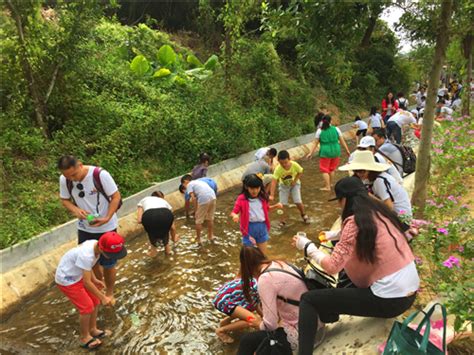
{"points": [[361, 126], [75, 279]]}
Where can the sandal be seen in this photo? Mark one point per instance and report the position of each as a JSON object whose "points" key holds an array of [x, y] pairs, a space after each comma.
{"points": [[89, 345], [305, 219], [102, 334], [282, 224]]}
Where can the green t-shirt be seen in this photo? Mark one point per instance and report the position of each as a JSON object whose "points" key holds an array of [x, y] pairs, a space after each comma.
{"points": [[329, 143], [286, 177]]}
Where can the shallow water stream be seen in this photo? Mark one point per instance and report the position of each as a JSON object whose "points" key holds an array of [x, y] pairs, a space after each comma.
{"points": [[164, 304]]}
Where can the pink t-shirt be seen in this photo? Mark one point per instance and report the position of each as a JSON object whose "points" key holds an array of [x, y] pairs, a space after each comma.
{"points": [[275, 311]]}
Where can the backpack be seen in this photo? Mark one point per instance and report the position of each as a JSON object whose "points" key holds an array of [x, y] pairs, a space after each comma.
{"points": [[97, 184], [408, 158], [402, 104], [387, 186]]}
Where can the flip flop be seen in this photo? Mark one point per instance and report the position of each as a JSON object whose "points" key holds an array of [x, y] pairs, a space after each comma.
{"points": [[88, 346], [103, 334]]}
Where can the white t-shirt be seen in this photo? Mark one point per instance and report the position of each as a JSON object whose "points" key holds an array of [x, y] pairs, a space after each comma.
{"points": [[260, 153], [256, 213], [402, 118], [89, 201], [361, 125], [392, 170], [446, 110], [398, 284], [419, 95], [318, 133], [73, 264], [376, 120], [456, 104], [401, 201], [203, 192], [151, 202]]}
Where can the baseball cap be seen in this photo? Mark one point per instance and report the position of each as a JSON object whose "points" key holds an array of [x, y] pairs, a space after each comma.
{"points": [[113, 245], [366, 142], [349, 187], [414, 111]]}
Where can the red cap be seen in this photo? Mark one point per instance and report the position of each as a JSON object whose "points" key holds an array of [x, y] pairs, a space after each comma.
{"points": [[113, 245]]}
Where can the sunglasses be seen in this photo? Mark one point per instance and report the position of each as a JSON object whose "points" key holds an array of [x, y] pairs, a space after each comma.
{"points": [[81, 192]]}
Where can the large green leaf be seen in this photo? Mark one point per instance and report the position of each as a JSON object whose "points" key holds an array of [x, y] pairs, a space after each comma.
{"points": [[161, 73], [140, 65], [211, 63], [166, 56], [199, 73], [194, 61]]}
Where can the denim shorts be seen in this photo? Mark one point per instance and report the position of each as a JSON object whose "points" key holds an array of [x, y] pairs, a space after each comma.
{"points": [[258, 231], [106, 263]]}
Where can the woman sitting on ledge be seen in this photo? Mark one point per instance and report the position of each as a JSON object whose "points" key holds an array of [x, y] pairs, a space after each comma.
{"points": [[375, 255]]}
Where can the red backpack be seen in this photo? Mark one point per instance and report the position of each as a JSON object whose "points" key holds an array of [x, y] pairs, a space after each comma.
{"points": [[97, 184]]}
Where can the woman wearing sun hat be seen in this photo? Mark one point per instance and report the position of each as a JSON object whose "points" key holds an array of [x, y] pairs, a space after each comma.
{"points": [[380, 183], [375, 255]]}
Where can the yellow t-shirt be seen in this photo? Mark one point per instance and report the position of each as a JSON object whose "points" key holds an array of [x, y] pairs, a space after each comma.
{"points": [[286, 177]]}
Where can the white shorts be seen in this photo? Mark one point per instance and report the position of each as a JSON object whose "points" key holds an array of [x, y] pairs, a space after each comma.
{"points": [[284, 192]]}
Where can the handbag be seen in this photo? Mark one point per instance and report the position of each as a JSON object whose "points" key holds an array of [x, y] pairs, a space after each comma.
{"points": [[405, 340], [275, 343]]}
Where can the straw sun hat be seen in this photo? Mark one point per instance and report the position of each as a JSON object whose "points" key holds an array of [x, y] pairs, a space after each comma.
{"points": [[364, 160]]}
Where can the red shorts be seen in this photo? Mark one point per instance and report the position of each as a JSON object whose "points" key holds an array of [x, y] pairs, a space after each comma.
{"points": [[328, 165], [84, 301]]}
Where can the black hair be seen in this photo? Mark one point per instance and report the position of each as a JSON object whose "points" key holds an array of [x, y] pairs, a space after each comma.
{"points": [[283, 154], [253, 180], [66, 162], [204, 157], [441, 101], [357, 118], [272, 152], [423, 97], [158, 194], [400, 94], [388, 100], [365, 210], [317, 119], [326, 122], [182, 188], [186, 177], [373, 110], [380, 132]]}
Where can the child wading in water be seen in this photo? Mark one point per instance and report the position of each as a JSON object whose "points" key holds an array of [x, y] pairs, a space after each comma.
{"points": [[232, 301], [75, 279], [252, 206], [287, 175]]}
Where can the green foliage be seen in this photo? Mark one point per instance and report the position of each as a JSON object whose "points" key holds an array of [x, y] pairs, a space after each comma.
{"points": [[140, 65], [444, 247]]}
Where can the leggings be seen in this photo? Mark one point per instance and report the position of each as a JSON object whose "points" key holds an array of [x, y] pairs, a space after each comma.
{"points": [[250, 342], [328, 304]]}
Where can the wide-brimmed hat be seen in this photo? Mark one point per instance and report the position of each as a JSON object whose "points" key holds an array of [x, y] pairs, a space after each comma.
{"points": [[364, 160]]}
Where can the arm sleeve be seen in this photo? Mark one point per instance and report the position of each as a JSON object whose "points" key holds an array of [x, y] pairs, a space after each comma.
{"points": [[339, 131], [63, 191], [318, 133], [277, 173], [343, 250], [298, 168], [140, 204], [108, 183], [380, 189], [168, 206], [236, 208], [268, 297], [84, 263]]}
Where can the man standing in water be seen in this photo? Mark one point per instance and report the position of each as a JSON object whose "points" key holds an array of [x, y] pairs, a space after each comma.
{"points": [[91, 195]]}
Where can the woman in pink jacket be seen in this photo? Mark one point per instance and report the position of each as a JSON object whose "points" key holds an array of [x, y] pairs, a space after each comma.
{"points": [[375, 255], [252, 208], [279, 289]]}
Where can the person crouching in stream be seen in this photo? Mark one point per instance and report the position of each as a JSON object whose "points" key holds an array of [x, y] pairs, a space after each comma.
{"points": [[375, 255], [156, 216]]}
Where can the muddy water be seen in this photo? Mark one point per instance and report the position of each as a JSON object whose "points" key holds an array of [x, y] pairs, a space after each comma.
{"points": [[164, 304]]}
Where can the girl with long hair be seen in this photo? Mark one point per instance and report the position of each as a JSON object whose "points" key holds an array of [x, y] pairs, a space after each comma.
{"points": [[252, 208], [374, 254], [389, 106], [279, 288]]}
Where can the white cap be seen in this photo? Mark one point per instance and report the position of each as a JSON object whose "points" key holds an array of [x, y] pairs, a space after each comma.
{"points": [[366, 142], [415, 112]]}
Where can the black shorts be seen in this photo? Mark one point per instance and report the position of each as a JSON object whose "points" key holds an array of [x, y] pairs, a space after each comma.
{"points": [[361, 131], [82, 236], [157, 223]]}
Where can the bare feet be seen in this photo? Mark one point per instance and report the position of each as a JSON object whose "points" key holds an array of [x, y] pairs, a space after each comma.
{"points": [[223, 336], [152, 252], [325, 189]]}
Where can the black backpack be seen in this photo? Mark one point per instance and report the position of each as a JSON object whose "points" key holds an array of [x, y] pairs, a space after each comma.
{"points": [[408, 158], [402, 104]]}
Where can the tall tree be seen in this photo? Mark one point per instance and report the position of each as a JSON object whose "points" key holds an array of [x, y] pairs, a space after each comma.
{"points": [[423, 164]]}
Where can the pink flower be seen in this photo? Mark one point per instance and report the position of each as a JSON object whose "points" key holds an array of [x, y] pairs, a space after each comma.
{"points": [[417, 223], [458, 147], [442, 231], [452, 198], [402, 212], [453, 260], [418, 260], [438, 151], [470, 132], [460, 249], [448, 264], [464, 206]]}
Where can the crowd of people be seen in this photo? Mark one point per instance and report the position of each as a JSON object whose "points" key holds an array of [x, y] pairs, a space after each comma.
{"points": [[271, 296]]}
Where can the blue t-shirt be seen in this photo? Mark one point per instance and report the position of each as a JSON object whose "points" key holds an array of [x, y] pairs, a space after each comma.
{"points": [[212, 184]]}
